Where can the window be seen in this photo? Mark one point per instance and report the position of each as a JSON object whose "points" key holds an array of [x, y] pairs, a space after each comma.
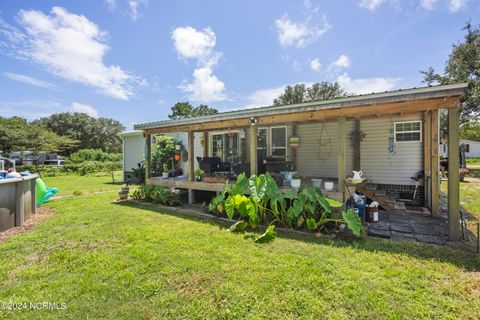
{"points": [[225, 146], [410, 131], [278, 136]]}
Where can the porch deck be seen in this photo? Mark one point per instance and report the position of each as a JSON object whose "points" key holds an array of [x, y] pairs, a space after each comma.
{"points": [[218, 187]]}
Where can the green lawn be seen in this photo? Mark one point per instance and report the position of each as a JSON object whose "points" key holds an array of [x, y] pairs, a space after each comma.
{"points": [[469, 197], [124, 262], [68, 184]]}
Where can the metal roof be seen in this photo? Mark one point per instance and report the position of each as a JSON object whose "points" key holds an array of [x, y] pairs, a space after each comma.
{"points": [[351, 101], [131, 133]]}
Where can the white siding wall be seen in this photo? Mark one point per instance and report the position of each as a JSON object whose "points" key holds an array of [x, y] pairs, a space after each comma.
{"points": [[377, 163], [389, 168], [133, 151], [315, 159], [474, 148]]}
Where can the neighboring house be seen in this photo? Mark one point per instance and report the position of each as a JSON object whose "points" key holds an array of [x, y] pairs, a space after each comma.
{"points": [[390, 136], [134, 149], [472, 148]]}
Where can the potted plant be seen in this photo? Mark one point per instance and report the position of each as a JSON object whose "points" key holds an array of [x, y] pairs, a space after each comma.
{"points": [[123, 194], [296, 181], [199, 173], [165, 171]]}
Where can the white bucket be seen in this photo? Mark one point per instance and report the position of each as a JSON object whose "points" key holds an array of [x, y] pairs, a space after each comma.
{"points": [[328, 185], [317, 183]]}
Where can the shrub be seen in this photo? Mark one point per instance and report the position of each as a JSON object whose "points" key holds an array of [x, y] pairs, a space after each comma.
{"points": [[93, 155], [157, 194], [304, 208]]}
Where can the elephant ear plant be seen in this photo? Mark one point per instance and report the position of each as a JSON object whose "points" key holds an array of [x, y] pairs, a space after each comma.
{"points": [[258, 199]]}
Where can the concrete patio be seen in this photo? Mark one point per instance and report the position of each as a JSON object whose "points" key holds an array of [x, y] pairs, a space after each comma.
{"points": [[410, 226]]}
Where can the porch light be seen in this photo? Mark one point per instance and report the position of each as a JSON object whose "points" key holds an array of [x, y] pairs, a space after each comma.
{"points": [[253, 121]]}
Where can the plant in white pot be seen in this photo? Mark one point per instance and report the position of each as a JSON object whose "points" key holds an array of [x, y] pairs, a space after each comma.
{"points": [[165, 171], [296, 181]]}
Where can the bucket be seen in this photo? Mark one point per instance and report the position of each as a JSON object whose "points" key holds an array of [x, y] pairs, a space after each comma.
{"points": [[328, 185], [360, 211], [317, 183], [372, 214]]}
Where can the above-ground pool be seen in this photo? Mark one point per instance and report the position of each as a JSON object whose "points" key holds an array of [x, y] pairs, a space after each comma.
{"points": [[17, 200]]}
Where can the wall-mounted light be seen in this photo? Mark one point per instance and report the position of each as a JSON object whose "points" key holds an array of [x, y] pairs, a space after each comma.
{"points": [[253, 121]]}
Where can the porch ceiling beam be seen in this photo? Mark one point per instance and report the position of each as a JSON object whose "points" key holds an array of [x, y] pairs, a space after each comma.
{"points": [[316, 115]]}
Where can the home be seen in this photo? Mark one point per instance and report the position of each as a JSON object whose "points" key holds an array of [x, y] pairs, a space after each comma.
{"points": [[470, 147], [392, 137]]}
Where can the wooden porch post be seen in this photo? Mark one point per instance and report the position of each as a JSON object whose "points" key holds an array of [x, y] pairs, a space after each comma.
{"points": [[342, 160], [191, 165], [453, 174], [356, 147], [205, 144], [427, 121], [148, 157], [253, 149], [435, 163]]}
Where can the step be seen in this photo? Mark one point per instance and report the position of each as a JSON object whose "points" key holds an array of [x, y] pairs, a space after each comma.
{"points": [[400, 206], [380, 193], [389, 200]]}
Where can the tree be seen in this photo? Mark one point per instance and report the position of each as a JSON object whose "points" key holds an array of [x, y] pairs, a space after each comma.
{"points": [[17, 134], [463, 65], [317, 92], [182, 110], [102, 133], [471, 130]]}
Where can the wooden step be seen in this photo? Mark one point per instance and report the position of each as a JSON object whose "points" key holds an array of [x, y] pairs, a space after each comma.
{"points": [[400, 206], [389, 199]]}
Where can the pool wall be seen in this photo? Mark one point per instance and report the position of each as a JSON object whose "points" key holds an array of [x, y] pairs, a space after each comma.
{"points": [[17, 201]]}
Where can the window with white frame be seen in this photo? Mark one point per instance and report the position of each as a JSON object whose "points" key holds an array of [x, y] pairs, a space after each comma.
{"points": [[278, 141], [408, 131], [225, 146]]}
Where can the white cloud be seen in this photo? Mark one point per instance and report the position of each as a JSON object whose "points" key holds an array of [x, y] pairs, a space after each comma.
{"points": [[367, 85], [428, 4], [134, 4], [200, 44], [456, 5], [296, 65], [343, 61], [69, 46], [299, 33], [205, 87], [30, 80], [315, 64], [192, 43], [371, 5], [84, 108], [264, 97], [111, 4]]}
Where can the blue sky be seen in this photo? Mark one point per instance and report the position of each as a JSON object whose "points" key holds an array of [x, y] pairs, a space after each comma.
{"points": [[133, 59]]}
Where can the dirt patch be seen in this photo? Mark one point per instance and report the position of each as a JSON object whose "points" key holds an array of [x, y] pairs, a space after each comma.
{"points": [[40, 215]]}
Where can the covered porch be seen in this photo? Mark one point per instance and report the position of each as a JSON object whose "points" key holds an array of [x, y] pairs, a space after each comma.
{"points": [[325, 140]]}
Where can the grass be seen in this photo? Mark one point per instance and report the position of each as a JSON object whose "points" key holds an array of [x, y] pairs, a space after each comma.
{"points": [[115, 261], [74, 184], [473, 163]]}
